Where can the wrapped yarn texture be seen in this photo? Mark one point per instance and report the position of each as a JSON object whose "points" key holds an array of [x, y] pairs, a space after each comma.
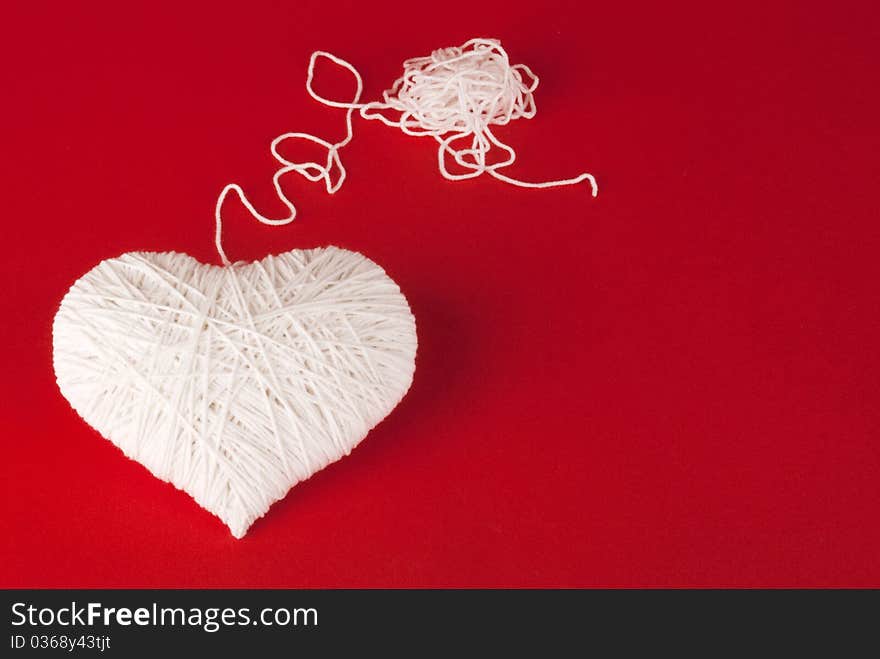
{"points": [[235, 383]]}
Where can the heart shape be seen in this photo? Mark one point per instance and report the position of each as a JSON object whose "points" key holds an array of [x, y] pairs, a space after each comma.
{"points": [[235, 383]]}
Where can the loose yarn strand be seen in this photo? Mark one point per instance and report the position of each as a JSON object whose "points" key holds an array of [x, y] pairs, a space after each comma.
{"points": [[308, 169], [452, 95]]}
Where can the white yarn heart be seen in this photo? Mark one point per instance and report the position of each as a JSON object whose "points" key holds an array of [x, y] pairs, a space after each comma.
{"points": [[235, 383]]}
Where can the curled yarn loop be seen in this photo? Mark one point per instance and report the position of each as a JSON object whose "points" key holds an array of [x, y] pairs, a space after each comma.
{"points": [[312, 171], [454, 95]]}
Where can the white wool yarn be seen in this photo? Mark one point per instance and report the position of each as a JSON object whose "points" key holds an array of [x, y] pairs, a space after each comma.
{"points": [[455, 95], [235, 383]]}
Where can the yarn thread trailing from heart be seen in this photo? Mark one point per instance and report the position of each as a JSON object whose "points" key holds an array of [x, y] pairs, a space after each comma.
{"points": [[235, 383], [454, 95]]}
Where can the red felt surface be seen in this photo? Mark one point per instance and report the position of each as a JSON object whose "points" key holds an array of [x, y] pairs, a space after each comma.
{"points": [[673, 384]]}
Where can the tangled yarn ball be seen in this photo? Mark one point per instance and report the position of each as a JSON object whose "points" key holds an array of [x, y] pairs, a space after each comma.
{"points": [[456, 93], [453, 95]]}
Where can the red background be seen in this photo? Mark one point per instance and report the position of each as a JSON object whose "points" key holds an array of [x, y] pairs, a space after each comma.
{"points": [[673, 384]]}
